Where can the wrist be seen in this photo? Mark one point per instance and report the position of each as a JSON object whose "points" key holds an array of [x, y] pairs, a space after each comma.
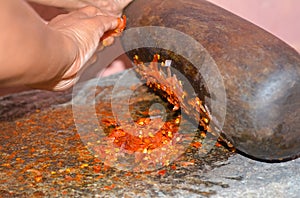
{"points": [[70, 54], [61, 54], [69, 4], [72, 63]]}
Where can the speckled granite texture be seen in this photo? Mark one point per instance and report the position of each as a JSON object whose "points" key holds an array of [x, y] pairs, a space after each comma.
{"points": [[43, 156]]}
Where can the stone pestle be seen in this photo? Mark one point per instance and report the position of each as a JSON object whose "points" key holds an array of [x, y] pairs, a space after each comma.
{"points": [[261, 73]]}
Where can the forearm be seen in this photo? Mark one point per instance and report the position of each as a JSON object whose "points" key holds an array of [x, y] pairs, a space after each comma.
{"points": [[31, 52], [73, 4], [108, 7]]}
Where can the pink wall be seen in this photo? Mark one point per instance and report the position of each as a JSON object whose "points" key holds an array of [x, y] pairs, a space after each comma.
{"points": [[280, 17]]}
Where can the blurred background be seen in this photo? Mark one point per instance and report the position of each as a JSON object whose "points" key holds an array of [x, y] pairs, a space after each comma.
{"points": [[280, 17]]}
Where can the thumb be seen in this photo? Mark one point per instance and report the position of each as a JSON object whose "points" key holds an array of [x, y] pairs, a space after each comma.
{"points": [[105, 23], [124, 3]]}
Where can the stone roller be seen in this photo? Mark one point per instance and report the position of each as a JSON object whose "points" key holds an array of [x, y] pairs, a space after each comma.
{"points": [[260, 73]]}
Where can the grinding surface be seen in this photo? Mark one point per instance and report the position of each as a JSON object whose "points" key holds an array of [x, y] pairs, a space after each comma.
{"points": [[249, 178], [42, 155]]}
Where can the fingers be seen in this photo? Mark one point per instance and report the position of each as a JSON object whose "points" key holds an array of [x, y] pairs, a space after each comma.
{"points": [[124, 3], [110, 7], [89, 11], [65, 84], [83, 28], [120, 5], [68, 83], [108, 41], [106, 23], [95, 19]]}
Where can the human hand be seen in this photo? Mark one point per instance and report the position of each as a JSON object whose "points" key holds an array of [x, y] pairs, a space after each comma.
{"points": [[108, 7], [82, 29]]}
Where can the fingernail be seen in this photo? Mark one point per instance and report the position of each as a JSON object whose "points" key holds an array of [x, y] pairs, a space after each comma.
{"points": [[65, 84], [108, 41], [116, 23]]}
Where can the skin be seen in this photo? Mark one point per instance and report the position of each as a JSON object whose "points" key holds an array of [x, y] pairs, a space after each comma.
{"points": [[107, 7], [48, 55]]}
